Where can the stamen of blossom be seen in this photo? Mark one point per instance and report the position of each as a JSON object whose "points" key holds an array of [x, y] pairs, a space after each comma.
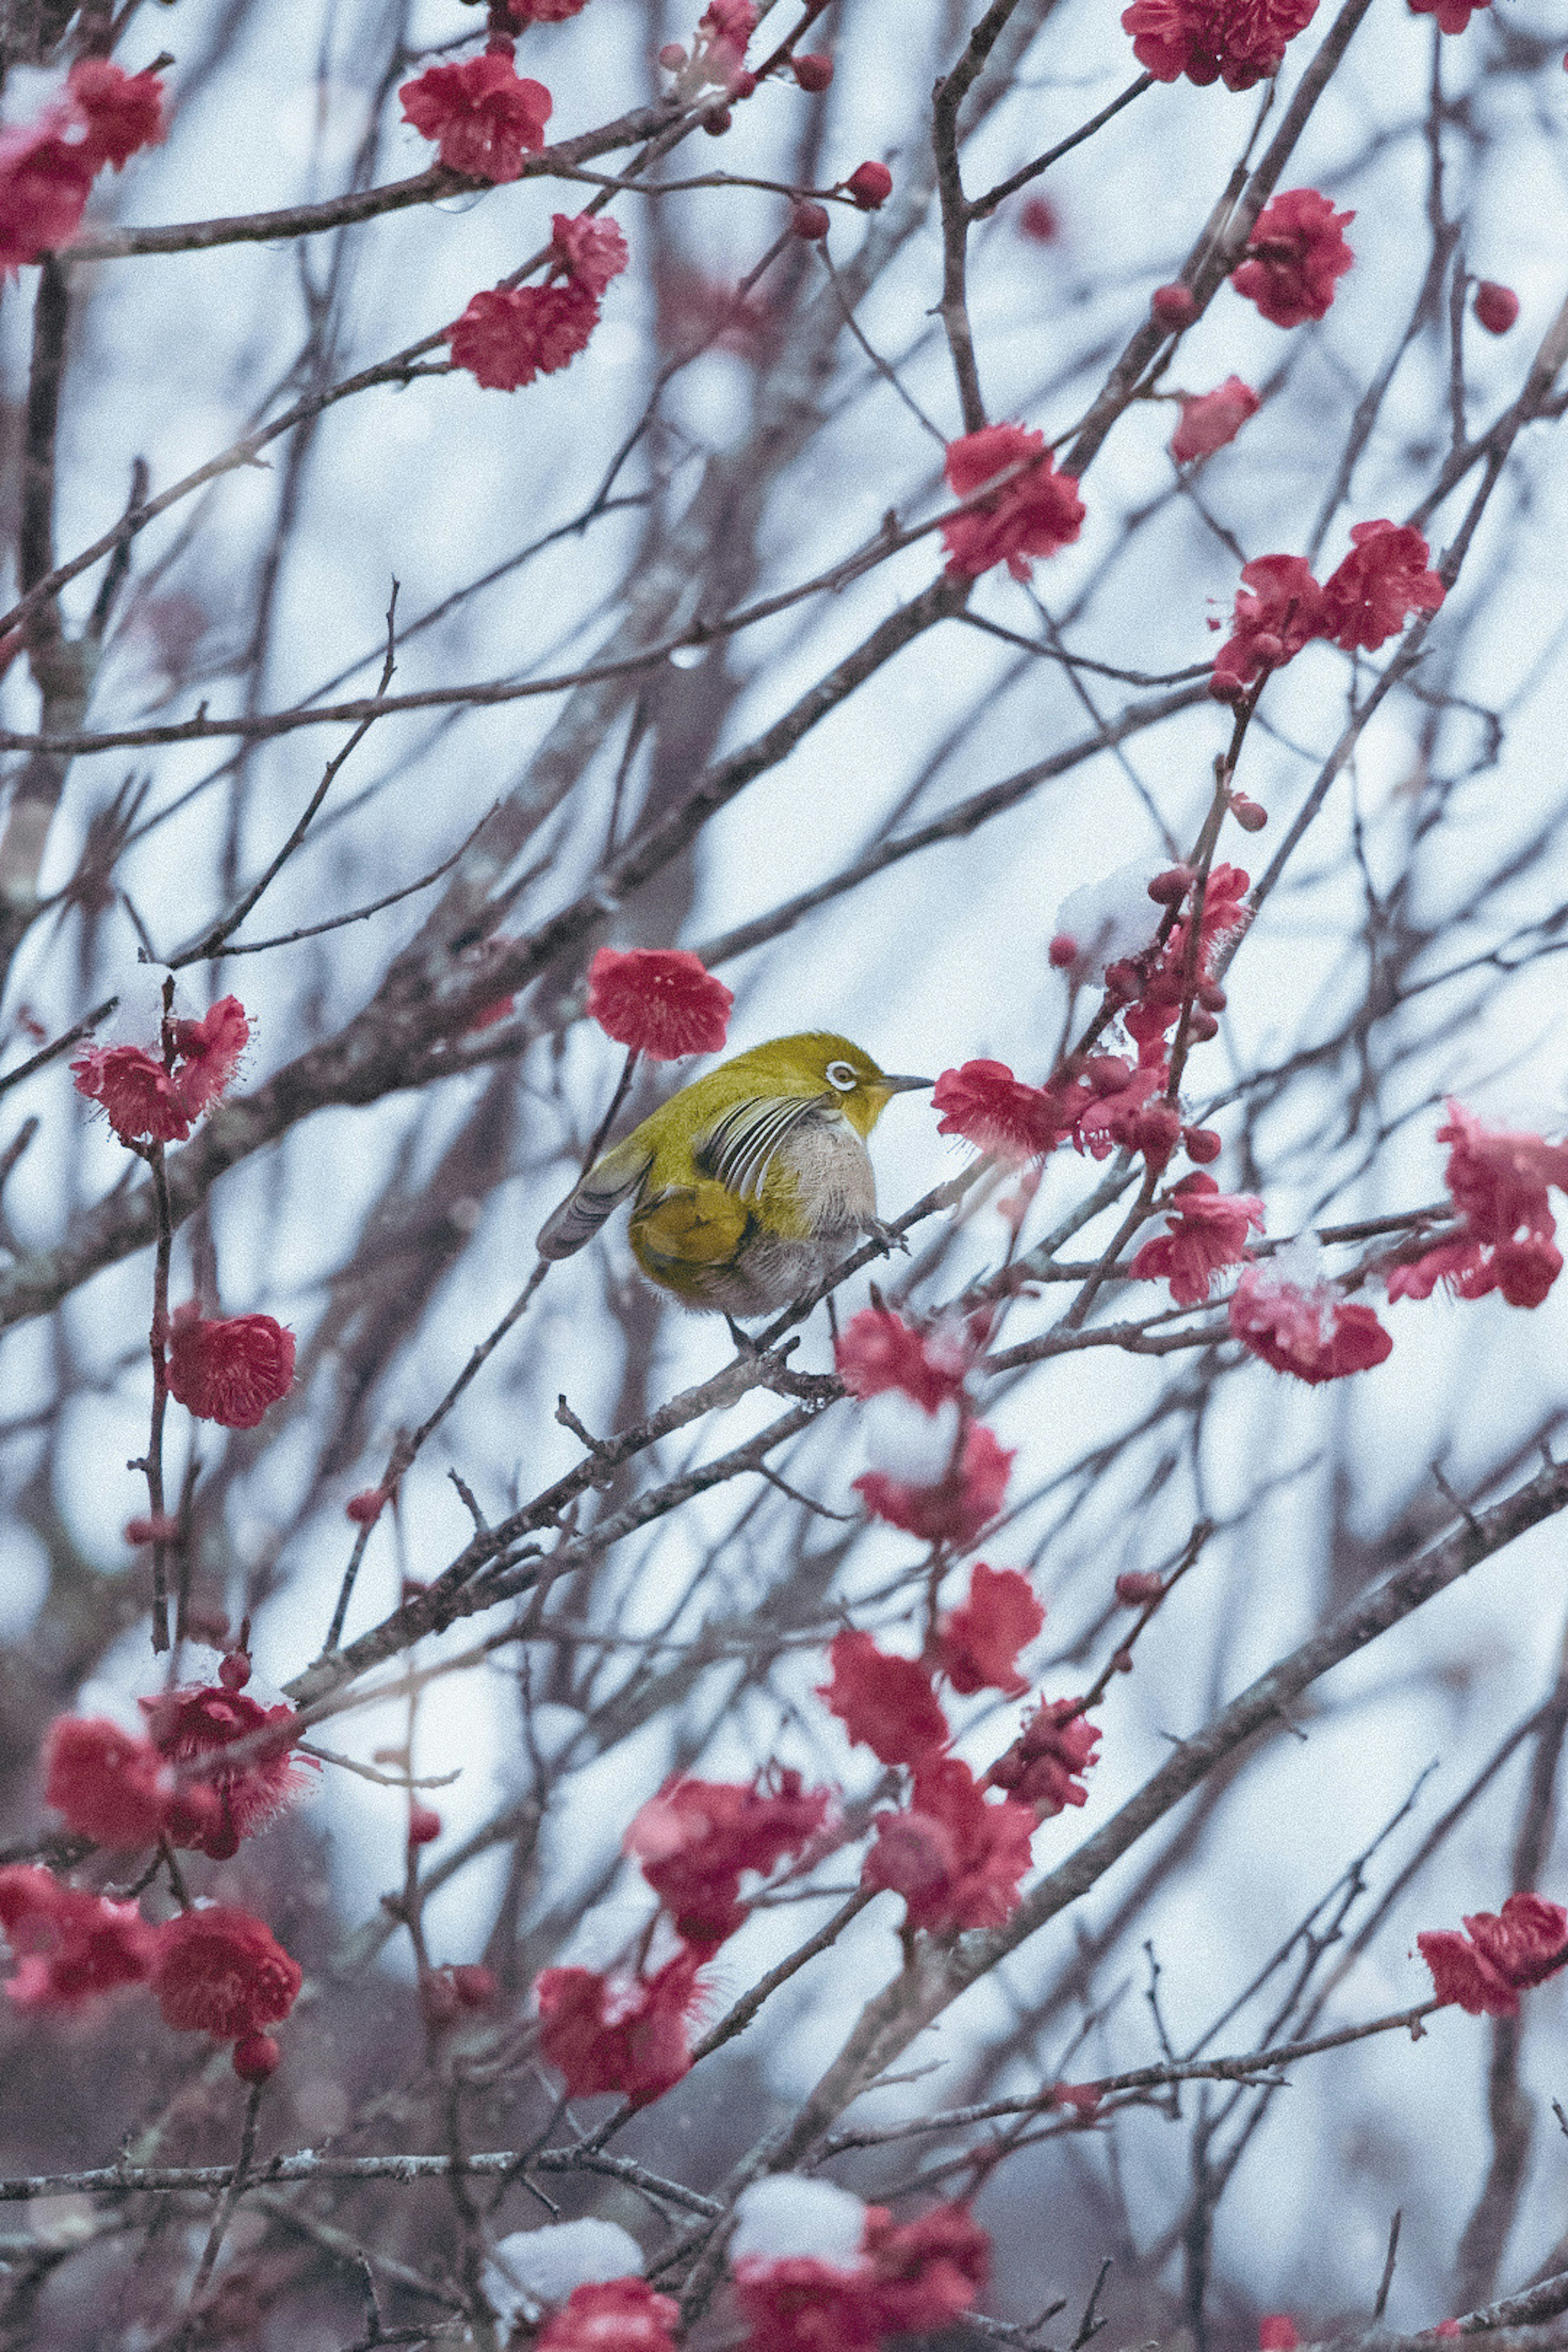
{"points": [[978, 1643], [661, 1002], [69, 1946], [1382, 580], [227, 1803], [985, 1104], [1296, 252], [1038, 513], [1240, 42], [229, 1370], [954, 1856], [511, 335], [886, 1703], [1500, 1183], [1504, 1955], [1043, 1766], [696, 1838], [1210, 419], [957, 1508], [608, 2033], [110, 1785], [1299, 1324], [1205, 1230], [222, 1971], [482, 115]]}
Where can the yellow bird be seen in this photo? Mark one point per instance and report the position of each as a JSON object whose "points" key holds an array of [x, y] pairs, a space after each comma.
{"points": [[750, 1183]]}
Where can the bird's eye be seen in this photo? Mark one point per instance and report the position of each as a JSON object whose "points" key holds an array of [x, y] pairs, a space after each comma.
{"points": [[841, 1076]]}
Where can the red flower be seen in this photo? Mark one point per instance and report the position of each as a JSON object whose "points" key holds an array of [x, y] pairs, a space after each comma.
{"points": [[1238, 41], [1038, 513], [122, 112], [985, 1103], [1503, 1956], [1296, 252], [798, 2303], [110, 1785], [1205, 1230], [1496, 307], [483, 116], [219, 1970], [211, 1814], [1277, 2333], [925, 2271], [228, 1371], [877, 1350], [618, 2034], [69, 1946], [45, 182], [1043, 1765], [622, 2315], [1523, 1271], [885, 1704], [696, 1837], [593, 250], [1382, 582], [1452, 16], [1279, 608], [1210, 419], [978, 1643], [1304, 1329], [1500, 1183], [660, 1001], [954, 1857], [958, 1506], [507, 337], [137, 1093], [545, 12], [206, 1053]]}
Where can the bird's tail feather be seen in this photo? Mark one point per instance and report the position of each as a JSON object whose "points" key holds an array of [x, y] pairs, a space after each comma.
{"points": [[591, 1200]]}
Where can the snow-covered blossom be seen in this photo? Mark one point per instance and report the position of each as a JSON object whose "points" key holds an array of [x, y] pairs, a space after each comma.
{"points": [[1295, 254], [618, 2032], [958, 1506], [47, 166], [1499, 1182], [545, 2266], [1038, 513], [877, 1351], [146, 1099], [1288, 1312], [661, 1002], [622, 2314]]}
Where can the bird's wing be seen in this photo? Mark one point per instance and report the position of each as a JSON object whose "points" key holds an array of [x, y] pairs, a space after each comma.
{"points": [[604, 1188], [741, 1146]]}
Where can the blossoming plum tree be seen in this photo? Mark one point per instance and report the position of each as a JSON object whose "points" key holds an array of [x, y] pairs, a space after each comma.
{"points": [[550, 538]]}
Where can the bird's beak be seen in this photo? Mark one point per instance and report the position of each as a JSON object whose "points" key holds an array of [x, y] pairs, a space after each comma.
{"points": [[904, 1086]]}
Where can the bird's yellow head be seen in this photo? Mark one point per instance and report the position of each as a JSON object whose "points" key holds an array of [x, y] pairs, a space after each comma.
{"points": [[819, 1063]]}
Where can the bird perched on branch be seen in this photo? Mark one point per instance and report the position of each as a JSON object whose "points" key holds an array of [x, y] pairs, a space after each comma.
{"points": [[749, 1184]]}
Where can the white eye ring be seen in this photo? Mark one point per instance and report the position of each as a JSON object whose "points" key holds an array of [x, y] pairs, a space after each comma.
{"points": [[840, 1074]]}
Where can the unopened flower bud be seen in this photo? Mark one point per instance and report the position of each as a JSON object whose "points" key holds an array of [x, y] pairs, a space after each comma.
{"points": [[1267, 647], [1108, 1073], [1202, 1026], [1202, 1144], [809, 222], [1122, 980], [870, 186], [1211, 996], [672, 56], [1063, 950], [1249, 814], [474, 1984], [1134, 1588], [812, 72], [1169, 888], [716, 121], [157, 1527], [1497, 307], [1122, 1660], [234, 1672], [1174, 306], [256, 2057], [743, 84], [424, 1824], [365, 1508]]}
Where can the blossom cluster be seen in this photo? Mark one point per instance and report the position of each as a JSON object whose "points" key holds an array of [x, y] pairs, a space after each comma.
{"points": [[1280, 607], [1239, 42], [156, 1097], [1038, 512], [1500, 1183], [1499, 1956], [511, 334], [814, 2267], [101, 118], [625, 2029]]}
